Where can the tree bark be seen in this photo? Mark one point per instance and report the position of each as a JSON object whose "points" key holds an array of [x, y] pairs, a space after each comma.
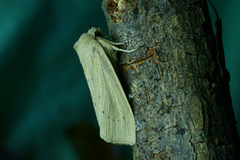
{"points": [[176, 80]]}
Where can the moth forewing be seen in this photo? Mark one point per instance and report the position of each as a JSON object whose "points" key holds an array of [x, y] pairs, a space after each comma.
{"points": [[114, 114]]}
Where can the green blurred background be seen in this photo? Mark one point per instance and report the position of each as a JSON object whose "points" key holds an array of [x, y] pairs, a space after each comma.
{"points": [[45, 105]]}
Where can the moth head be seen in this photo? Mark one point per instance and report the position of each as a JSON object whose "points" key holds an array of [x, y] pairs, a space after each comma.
{"points": [[96, 32]]}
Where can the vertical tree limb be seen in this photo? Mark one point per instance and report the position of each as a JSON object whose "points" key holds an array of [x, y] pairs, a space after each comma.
{"points": [[176, 80]]}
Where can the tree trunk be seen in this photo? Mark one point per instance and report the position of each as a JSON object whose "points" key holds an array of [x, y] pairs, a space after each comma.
{"points": [[176, 80]]}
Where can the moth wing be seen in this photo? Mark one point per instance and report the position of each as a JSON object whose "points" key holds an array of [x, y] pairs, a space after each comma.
{"points": [[116, 120], [114, 114], [86, 48]]}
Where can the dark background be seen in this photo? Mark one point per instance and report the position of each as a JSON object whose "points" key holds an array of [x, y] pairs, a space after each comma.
{"points": [[45, 105]]}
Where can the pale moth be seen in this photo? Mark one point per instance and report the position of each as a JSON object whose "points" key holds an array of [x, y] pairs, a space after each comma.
{"points": [[114, 114]]}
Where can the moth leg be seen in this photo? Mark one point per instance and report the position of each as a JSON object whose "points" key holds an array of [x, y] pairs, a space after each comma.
{"points": [[114, 43], [123, 50], [114, 47]]}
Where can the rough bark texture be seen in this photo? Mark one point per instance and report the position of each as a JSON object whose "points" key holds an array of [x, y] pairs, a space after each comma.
{"points": [[176, 80]]}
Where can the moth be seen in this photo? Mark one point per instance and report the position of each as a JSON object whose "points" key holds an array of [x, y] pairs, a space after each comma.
{"points": [[98, 57]]}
